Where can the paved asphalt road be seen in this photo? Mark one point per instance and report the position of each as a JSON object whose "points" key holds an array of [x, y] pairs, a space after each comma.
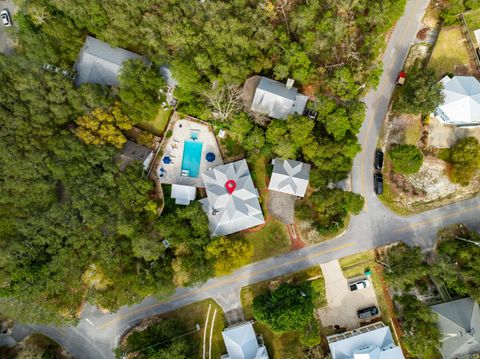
{"points": [[5, 42], [97, 334]]}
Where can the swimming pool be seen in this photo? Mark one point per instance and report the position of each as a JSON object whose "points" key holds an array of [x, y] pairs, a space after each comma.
{"points": [[192, 154]]}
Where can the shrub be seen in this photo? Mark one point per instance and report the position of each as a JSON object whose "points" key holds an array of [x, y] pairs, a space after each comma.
{"points": [[406, 159], [465, 159]]}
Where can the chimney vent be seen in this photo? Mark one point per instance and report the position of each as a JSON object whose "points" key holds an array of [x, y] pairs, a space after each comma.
{"points": [[290, 83]]}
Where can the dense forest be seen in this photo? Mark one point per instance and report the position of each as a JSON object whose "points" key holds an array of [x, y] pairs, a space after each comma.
{"points": [[73, 227]]}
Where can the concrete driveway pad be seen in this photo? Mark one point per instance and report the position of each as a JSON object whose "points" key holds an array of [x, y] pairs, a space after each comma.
{"points": [[342, 303]]}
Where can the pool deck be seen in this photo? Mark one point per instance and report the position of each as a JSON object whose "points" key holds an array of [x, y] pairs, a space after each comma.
{"points": [[173, 147]]}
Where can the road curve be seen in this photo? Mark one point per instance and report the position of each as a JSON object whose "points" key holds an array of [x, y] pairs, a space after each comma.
{"points": [[97, 333]]}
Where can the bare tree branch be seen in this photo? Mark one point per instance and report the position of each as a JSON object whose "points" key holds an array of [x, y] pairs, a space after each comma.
{"points": [[224, 101]]}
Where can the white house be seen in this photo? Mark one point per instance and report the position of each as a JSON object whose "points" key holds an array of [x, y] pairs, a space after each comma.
{"points": [[242, 343], [461, 104], [278, 100], [373, 341], [183, 194], [459, 323], [232, 199], [290, 177]]}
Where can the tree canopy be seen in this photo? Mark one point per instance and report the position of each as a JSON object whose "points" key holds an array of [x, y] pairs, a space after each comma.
{"points": [[421, 93], [465, 160], [139, 91], [287, 308], [406, 159]]}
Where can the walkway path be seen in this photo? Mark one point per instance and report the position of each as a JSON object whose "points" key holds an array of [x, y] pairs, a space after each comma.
{"points": [[375, 226]]}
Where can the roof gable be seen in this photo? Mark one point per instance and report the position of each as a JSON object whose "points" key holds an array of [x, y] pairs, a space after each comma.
{"points": [[461, 103], [235, 211], [290, 177], [100, 63]]}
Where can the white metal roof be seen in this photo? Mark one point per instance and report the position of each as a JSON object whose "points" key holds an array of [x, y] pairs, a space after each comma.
{"points": [[274, 99], [241, 343], [459, 322], [183, 194], [230, 213], [461, 105], [372, 341], [290, 177]]}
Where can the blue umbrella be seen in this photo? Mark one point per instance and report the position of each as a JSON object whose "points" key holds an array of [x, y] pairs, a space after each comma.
{"points": [[167, 160], [210, 157]]}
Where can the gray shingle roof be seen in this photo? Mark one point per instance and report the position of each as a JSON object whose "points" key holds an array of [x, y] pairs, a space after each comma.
{"points": [[100, 63], [290, 177], [133, 151], [230, 213], [274, 99], [459, 322]]}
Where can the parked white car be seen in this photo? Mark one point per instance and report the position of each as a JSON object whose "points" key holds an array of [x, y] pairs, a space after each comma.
{"points": [[6, 19], [360, 284]]}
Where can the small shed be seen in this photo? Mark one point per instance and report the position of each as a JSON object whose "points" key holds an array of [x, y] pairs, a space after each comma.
{"points": [[182, 194], [134, 152]]}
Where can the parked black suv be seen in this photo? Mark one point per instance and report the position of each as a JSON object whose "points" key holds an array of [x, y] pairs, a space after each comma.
{"points": [[378, 159], [367, 312], [378, 183]]}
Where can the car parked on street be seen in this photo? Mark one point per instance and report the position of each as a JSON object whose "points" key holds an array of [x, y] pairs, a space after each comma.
{"points": [[378, 164], [360, 284], [378, 183], [6, 18], [367, 312]]}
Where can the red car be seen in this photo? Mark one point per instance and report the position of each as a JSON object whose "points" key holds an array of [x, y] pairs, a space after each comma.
{"points": [[401, 78]]}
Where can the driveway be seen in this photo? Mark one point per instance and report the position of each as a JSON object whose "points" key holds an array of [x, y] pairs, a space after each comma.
{"points": [[342, 303], [6, 46]]}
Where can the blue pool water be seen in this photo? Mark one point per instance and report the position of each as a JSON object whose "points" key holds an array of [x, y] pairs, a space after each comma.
{"points": [[192, 155]]}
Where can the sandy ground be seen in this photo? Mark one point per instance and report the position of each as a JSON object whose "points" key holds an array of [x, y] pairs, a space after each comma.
{"points": [[445, 136], [342, 303]]}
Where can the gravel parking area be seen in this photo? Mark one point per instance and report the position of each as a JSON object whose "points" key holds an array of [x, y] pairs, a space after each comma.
{"points": [[445, 136], [342, 303], [282, 206]]}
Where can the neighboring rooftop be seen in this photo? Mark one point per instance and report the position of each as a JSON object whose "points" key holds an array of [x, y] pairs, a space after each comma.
{"points": [[461, 105], [132, 151], [100, 63], [276, 100], [242, 343], [459, 323], [183, 194], [232, 200], [373, 341], [290, 177]]}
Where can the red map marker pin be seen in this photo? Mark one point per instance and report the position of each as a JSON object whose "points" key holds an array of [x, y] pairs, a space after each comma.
{"points": [[230, 185]]}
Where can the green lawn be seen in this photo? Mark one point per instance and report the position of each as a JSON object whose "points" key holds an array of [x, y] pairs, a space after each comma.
{"points": [[355, 266], [270, 241], [158, 125], [472, 18], [196, 313], [286, 345], [413, 133], [258, 166], [450, 50]]}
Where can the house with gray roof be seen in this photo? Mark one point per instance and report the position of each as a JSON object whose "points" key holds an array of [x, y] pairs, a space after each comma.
{"points": [[242, 343], [99, 63], [289, 177], [373, 341], [232, 200], [459, 323], [132, 152], [278, 100], [461, 103]]}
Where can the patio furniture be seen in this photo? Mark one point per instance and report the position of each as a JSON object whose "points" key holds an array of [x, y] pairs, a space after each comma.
{"points": [[210, 157], [167, 160]]}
